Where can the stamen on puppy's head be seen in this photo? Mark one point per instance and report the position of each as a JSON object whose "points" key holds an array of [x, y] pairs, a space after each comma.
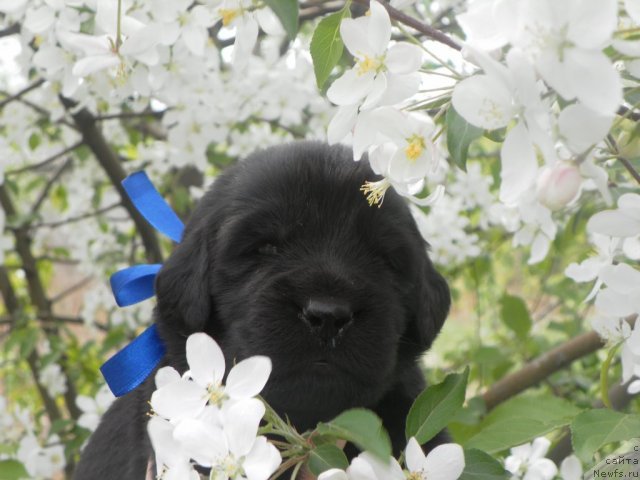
{"points": [[375, 191]]}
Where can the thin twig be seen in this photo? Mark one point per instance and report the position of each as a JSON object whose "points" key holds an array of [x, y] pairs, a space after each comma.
{"points": [[624, 161], [68, 291], [22, 92], [47, 188], [78, 218], [629, 113], [632, 171], [10, 30], [44, 162]]}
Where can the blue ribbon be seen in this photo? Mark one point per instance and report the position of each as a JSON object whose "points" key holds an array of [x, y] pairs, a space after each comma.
{"points": [[134, 284], [134, 363], [152, 206], [130, 366]]}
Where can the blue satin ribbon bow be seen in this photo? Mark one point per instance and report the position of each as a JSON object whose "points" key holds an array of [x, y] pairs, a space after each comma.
{"points": [[132, 365]]}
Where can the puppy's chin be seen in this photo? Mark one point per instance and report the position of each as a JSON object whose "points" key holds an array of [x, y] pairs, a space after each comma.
{"points": [[319, 392]]}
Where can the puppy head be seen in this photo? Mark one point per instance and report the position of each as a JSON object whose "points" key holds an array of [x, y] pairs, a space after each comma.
{"points": [[285, 258]]}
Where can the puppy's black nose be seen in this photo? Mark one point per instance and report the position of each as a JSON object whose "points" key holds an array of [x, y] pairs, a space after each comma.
{"points": [[327, 317]]}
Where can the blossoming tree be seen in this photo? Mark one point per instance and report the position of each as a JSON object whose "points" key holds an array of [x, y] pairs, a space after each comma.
{"points": [[510, 126]]}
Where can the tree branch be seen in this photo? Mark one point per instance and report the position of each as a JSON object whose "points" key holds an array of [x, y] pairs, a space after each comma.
{"points": [[109, 161], [77, 218], [13, 307], [625, 162], [47, 188], [44, 162], [416, 24], [68, 291], [35, 286], [22, 92], [629, 113], [541, 367], [10, 30]]}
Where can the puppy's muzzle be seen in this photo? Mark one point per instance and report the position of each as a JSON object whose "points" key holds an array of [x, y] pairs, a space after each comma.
{"points": [[327, 318]]}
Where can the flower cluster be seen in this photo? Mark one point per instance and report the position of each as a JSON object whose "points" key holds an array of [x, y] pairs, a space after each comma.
{"points": [[616, 235], [198, 418], [445, 462], [555, 92], [370, 95], [528, 462]]}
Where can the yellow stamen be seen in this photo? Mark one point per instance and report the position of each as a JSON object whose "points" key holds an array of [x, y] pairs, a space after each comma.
{"points": [[415, 146], [375, 191], [216, 394], [228, 15], [368, 64]]}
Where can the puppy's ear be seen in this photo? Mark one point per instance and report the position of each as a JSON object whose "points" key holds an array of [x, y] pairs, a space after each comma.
{"points": [[433, 302], [182, 286]]}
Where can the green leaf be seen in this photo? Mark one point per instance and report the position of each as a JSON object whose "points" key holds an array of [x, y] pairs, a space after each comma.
{"points": [[515, 315], [34, 141], [460, 134], [326, 457], [12, 470], [287, 12], [481, 466], [326, 45], [520, 420], [595, 428], [361, 427], [436, 406]]}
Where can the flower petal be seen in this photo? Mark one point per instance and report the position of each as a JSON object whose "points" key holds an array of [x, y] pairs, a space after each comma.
{"points": [[414, 455], [613, 223], [241, 421], [205, 444], [179, 399], [378, 87], [342, 123], [613, 303], [519, 164], [89, 65], [205, 359], [248, 377], [379, 28], [403, 58], [354, 36], [594, 80], [582, 127], [633, 9], [483, 102], [621, 277], [399, 88], [592, 22], [263, 460], [571, 468], [195, 38], [630, 204], [350, 88], [246, 37], [445, 462], [165, 376], [479, 25], [334, 474]]}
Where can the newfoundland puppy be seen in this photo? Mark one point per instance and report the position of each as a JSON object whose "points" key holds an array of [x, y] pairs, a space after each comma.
{"points": [[284, 257]]}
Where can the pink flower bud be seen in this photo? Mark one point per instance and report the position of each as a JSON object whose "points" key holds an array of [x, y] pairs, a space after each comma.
{"points": [[558, 185]]}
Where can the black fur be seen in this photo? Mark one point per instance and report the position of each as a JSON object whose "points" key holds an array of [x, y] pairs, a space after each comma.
{"points": [[286, 226]]}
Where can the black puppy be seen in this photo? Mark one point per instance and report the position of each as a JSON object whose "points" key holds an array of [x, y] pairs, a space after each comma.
{"points": [[285, 258]]}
